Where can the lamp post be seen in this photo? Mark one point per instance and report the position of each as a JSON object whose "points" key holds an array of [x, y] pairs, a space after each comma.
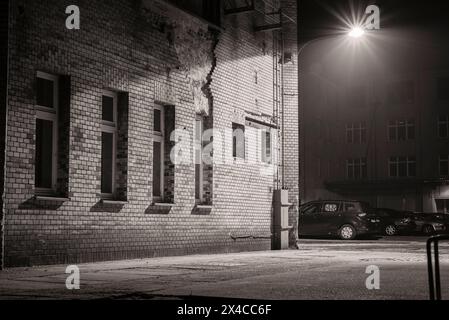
{"points": [[355, 32]]}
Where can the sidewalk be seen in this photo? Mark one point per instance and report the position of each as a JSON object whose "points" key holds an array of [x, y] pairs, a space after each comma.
{"points": [[319, 270]]}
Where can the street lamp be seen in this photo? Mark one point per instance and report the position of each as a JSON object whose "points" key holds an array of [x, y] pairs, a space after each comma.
{"points": [[356, 32]]}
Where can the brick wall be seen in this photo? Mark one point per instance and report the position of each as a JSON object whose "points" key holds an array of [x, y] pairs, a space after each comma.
{"points": [[122, 47], [289, 7], [4, 18]]}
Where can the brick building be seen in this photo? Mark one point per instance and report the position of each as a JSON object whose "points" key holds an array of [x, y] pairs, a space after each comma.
{"points": [[92, 118]]}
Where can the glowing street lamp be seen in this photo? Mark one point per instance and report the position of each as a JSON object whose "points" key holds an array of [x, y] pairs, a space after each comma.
{"points": [[356, 32]]}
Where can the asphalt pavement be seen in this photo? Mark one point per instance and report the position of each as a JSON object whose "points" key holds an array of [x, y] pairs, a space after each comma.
{"points": [[326, 269]]}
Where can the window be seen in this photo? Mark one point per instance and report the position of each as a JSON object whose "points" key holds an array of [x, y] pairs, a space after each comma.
{"points": [[46, 152], [266, 146], [158, 152], [311, 208], [238, 141], [356, 133], [443, 88], [356, 169], [402, 92], [444, 165], [400, 167], [331, 207], [199, 159], [401, 130], [109, 130], [443, 126]]}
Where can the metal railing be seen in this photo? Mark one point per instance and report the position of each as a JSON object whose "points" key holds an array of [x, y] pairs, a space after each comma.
{"points": [[434, 275]]}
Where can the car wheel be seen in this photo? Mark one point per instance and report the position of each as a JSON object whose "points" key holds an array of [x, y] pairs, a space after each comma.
{"points": [[427, 230], [390, 230], [347, 232]]}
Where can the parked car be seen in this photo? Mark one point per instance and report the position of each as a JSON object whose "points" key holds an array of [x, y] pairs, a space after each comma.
{"points": [[346, 219], [429, 223], [445, 217], [395, 222]]}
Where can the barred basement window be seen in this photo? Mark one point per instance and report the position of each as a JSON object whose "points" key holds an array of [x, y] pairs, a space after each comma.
{"points": [[444, 165], [46, 157], [238, 141], [401, 167]]}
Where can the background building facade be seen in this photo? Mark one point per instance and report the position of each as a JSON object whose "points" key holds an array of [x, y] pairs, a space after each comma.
{"points": [[377, 131]]}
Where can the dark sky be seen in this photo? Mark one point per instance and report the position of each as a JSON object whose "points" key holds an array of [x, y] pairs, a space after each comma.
{"points": [[316, 18]]}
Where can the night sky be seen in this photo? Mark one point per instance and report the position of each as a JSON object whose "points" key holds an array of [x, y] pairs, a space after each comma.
{"points": [[316, 18]]}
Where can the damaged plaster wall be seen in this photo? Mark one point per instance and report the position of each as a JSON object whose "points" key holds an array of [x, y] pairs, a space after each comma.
{"points": [[194, 45]]}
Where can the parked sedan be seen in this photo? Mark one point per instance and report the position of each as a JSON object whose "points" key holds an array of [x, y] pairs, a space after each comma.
{"points": [[395, 222], [429, 223]]}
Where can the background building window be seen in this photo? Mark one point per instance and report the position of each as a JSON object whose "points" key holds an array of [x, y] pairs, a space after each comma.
{"points": [[158, 152], [46, 152], [356, 133], [444, 165], [238, 141], [401, 130], [109, 129], [356, 169], [401, 167], [443, 126]]}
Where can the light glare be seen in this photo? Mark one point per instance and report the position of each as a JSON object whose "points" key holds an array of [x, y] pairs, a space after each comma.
{"points": [[356, 32]]}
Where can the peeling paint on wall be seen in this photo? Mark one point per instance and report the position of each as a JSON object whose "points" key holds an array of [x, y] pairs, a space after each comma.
{"points": [[194, 47]]}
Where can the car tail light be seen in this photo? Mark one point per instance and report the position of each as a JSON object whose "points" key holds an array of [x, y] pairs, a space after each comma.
{"points": [[362, 215], [406, 220]]}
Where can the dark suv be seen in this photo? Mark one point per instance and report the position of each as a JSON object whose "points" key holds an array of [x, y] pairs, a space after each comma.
{"points": [[346, 219]]}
